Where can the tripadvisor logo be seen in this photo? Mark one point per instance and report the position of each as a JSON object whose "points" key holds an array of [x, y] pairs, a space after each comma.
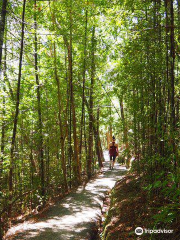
{"points": [[139, 231]]}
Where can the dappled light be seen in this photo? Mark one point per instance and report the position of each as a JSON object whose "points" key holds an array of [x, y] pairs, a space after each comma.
{"points": [[77, 214]]}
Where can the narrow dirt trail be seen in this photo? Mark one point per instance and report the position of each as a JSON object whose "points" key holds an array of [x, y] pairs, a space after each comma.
{"points": [[76, 215]]}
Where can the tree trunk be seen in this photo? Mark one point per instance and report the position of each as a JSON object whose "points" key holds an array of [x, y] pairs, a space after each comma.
{"points": [[2, 27], [84, 80], [61, 125], [40, 128], [125, 135], [90, 140], [98, 147], [172, 59], [69, 114], [3, 117], [98, 134], [178, 99], [76, 164], [3, 128], [13, 141], [169, 8]]}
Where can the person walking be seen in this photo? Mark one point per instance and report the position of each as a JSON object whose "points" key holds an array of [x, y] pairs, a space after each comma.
{"points": [[113, 152]]}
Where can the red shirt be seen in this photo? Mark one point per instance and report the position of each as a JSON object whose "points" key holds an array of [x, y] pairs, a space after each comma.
{"points": [[113, 149]]}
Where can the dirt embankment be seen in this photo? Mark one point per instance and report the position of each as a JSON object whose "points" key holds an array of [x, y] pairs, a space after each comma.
{"points": [[130, 207]]}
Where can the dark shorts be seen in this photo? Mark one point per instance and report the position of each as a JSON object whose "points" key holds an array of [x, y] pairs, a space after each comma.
{"points": [[113, 157]]}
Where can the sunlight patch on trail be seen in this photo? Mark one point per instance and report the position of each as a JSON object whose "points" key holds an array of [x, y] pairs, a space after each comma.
{"points": [[76, 215]]}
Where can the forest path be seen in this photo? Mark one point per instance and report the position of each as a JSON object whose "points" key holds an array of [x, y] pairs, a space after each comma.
{"points": [[76, 215]]}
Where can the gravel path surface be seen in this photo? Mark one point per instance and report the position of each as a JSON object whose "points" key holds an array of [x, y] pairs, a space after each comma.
{"points": [[76, 215]]}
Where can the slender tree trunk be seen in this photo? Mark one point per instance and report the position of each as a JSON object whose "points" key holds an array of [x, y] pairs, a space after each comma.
{"points": [[32, 170], [172, 62], [98, 147], [47, 146], [178, 98], [61, 125], [70, 151], [135, 125], [85, 137], [40, 126], [11, 94], [69, 114], [125, 135], [92, 121], [76, 164], [98, 134], [90, 140], [3, 128], [84, 80], [3, 117], [2, 27], [172, 59], [13, 141]]}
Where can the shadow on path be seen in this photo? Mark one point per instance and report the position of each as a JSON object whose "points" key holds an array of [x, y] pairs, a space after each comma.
{"points": [[76, 215]]}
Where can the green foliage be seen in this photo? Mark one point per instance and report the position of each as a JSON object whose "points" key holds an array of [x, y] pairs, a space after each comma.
{"points": [[166, 215]]}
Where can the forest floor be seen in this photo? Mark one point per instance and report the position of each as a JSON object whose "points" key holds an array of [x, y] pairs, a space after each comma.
{"points": [[130, 207], [77, 216]]}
